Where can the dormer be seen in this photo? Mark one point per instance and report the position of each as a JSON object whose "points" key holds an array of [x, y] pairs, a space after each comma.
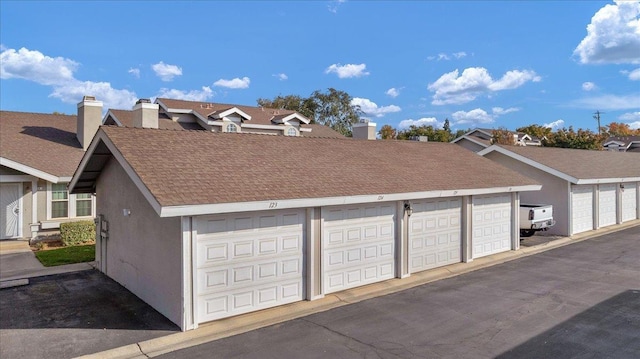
{"points": [[292, 119], [232, 114]]}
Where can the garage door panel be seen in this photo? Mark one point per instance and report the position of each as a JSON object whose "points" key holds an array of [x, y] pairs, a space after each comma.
{"points": [[248, 262], [358, 244], [606, 205], [434, 234], [581, 208], [629, 202], [491, 225]]}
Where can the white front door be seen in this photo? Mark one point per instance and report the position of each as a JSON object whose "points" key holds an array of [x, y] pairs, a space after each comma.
{"points": [[10, 217], [434, 233], [248, 262], [358, 244], [581, 208], [606, 205], [491, 224], [629, 202]]}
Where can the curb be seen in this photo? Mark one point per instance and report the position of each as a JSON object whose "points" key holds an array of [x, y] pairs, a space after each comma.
{"points": [[251, 321]]}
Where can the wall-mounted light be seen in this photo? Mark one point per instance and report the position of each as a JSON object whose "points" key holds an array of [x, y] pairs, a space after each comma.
{"points": [[407, 208]]}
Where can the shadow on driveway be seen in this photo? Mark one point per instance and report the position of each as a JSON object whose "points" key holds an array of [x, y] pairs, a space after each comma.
{"points": [[610, 329], [73, 314]]}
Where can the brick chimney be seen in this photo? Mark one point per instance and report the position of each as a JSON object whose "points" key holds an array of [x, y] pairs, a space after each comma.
{"points": [[364, 130], [89, 119], [145, 114]]}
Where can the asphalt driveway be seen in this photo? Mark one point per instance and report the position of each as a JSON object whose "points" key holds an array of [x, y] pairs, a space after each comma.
{"points": [[66, 315], [577, 301]]}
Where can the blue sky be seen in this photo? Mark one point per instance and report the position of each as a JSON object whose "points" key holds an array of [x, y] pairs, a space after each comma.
{"points": [[477, 63]]}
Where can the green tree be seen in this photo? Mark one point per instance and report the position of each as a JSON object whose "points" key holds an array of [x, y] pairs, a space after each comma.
{"points": [[447, 125], [502, 136], [433, 134], [388, 133], [619, 129], [332, 108], [536, 130], [569, 138]]}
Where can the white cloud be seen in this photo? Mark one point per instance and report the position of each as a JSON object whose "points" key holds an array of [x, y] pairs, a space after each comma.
{"points": [[588, 86], [334, 5], [393, 92], [348, 70], [477, 116], [236, 83], [442, 56], [193, 95], [446, 57], [281, 76], [499, 111], [455, 88], [459, 55], [73, 91], [36, 67], [554, 125], [608, 102], [634, 125], [58, 72], [425, 121], [613, 36], [630, 116], [135, 72], [634, 75], [166, 72], [370, 108]]}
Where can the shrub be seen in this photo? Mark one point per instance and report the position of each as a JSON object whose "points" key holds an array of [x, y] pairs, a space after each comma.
{"points": [[74, 233]]}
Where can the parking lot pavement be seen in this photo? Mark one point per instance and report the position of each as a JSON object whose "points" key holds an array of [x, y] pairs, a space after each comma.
{"points": [[67, 315], [576, 301]]}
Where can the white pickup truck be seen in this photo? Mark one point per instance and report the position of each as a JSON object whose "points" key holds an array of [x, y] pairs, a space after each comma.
{"points": [[535, 217]]}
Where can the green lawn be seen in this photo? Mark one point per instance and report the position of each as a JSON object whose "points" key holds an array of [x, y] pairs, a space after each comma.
{"points": [[67, 255]]}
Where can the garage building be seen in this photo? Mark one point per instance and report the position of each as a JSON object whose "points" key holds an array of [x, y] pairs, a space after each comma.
{"points": [[588, 189], [204, 226]]}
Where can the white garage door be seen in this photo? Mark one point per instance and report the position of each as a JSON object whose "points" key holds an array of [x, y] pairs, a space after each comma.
{"points": [[606, 205], [248, 262], [358, 244], [434, 234], [629, 199], [581, 208], [491, 224]]}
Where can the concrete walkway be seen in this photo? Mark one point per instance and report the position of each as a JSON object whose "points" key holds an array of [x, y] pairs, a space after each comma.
{"points": [[18, 262], [228, 327]]}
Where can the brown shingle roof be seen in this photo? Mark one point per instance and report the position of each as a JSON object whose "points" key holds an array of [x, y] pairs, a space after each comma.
{"points": [[583, 164], [259, 115], [261, 167], [318, 130], [126, 119], [42, 141]]}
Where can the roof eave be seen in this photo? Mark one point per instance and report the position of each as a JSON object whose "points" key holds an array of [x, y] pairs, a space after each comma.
{"points": [[31, 171], [219, 208]]}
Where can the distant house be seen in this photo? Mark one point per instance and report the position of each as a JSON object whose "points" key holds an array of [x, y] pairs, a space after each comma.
{"points": [[39, 152], [216, 117], [38, 155], [204, 225], [481, 138], [622, 144], [588, 189]]}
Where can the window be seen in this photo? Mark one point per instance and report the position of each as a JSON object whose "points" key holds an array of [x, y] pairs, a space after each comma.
{"points": [[64, 205], [232, 128], [83, 205], [292, 132], [59, 201]]}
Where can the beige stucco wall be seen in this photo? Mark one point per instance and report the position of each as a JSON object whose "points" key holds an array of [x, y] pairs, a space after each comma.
{"points": [[470, 145], [42, 200], [27, 209], [554, 191], [143, 251]]}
